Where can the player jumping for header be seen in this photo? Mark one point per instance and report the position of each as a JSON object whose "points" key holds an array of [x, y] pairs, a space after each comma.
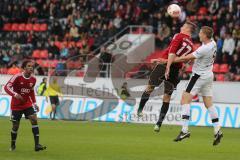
{"points": [[181, 44]]}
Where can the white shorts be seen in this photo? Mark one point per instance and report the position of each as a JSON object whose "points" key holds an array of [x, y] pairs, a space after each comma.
{"points": [[197, 85]]}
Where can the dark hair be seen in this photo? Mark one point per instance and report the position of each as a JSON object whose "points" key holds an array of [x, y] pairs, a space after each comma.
{"points": [[208, 31], [192, 25], [24, 64]]}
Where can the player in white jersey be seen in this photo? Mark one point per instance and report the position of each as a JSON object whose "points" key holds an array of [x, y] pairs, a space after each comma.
{"points": [[201, 82]]}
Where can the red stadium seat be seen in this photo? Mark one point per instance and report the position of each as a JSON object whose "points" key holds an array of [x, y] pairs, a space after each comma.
{"points": [[43, 27], [216, 68], [40, 62], [71, 44], [36, 27], [79, 44], [77, 64], [214, 18], [237, 78], [203, 11], [46, 64], [71, 65], [128, 75], [36, 54], [3, 70], [44, 54], [220, 77], [223, 68], [22, 27], [54, 63], [58, 44], [80, 73], [15, 27], [7, 27], [200, 17], [29, 27]]}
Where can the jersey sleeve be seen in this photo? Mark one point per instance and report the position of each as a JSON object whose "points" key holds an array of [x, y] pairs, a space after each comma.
{"points": [[176, 42], [199, 52], [9, 86], [32, 94]]}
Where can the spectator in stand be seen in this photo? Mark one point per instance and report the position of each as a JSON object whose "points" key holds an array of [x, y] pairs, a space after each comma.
{"points": [[235, 65], [64, 53], [228, 47], [117, 22], [57, 29], [219, 49], [105, 61], [236, 32], [53, 51], [162, 38], [14, 69], [74, 33], [5, 57]]}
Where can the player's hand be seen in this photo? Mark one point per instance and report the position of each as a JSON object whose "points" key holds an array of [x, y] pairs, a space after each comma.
{"points": [[167, 73], [19, 97], [36, 107]]}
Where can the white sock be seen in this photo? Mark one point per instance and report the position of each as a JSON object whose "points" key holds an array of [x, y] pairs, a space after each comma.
{"points": [[185, 117], [214, 116]]}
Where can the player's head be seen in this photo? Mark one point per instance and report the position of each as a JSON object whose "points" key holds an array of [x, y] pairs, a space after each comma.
{"points": [[27, 66], [188, 28], [206, 33], [44, 79]]}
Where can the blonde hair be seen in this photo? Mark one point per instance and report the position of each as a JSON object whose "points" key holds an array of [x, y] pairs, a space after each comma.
{"points": [[208, 31]]}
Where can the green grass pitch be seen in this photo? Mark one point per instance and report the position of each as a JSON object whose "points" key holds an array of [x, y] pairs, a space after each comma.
{"points": [[75, 140]]}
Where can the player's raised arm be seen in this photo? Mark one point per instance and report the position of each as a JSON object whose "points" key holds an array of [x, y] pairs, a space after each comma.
{"points": [[184, 58]]}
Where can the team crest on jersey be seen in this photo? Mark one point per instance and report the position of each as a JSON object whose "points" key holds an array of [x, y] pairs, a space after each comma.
{"points": [[31, 84]]}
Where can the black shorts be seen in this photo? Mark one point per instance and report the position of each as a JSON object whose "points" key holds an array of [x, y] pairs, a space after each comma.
{"points": [[157, 76], [17, 115], [54, 100]]}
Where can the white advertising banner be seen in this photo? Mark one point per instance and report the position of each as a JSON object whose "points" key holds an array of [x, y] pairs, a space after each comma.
{"points": [[122, 112]]}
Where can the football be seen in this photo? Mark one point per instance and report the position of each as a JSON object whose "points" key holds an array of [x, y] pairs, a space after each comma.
{"points": [[174, 10]]}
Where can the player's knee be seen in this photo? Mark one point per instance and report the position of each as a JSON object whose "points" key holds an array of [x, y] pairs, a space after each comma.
{"points": [[149, 89], [33, 120], [166, 98], [15, 127]]}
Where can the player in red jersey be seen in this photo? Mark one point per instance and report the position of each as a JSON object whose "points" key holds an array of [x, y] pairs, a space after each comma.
{"points": [[180, 44], [21, 88]]}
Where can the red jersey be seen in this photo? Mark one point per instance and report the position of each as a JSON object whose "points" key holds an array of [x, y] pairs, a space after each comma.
{"points": [[23, 86], [180, 44]]}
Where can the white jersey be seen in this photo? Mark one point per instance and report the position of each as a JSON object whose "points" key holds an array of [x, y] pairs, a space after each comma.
{"points": [[203, 63]]}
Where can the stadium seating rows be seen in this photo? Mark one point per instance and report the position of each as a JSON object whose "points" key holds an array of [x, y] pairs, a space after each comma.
{"points": [[25, 27]]}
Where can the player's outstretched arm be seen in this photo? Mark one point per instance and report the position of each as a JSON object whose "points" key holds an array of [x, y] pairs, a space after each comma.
{"points": [[184, 58]]}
